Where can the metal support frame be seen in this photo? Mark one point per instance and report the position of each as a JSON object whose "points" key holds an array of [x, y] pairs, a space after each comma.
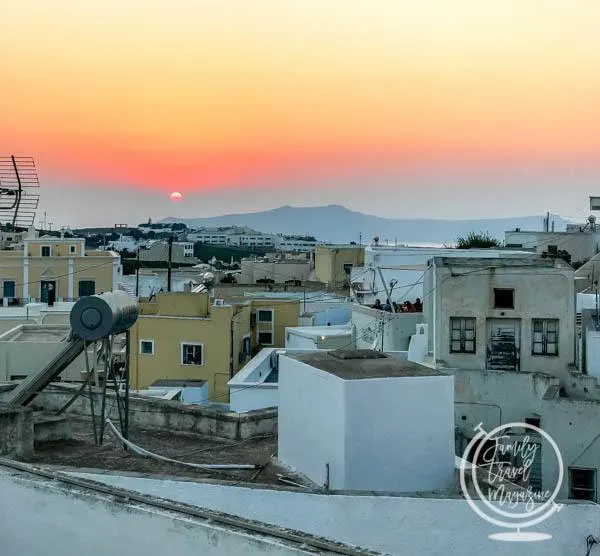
{"points": [[387, 292], [121, 400]]}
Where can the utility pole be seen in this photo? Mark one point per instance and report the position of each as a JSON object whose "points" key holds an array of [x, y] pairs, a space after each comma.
{"points": [[170, 241], [137, 273]]}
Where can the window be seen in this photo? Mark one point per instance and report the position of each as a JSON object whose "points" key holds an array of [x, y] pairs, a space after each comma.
{"points": [[72, 249], [348, 268], [246, 345], [46, 251], [147, 347], [265, 315], [462, 335], [192, 354], [265, 338], [87, 287], [504, 299], [582, 484], [533, 421], [544, 339]]}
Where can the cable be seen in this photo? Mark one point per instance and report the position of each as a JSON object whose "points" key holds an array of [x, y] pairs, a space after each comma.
{"points": [[590, 541], [143, 452], [78, 271]]}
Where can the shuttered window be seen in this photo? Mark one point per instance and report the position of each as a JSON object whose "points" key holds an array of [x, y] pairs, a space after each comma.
{"points": [[462, 335], [544, 337]]}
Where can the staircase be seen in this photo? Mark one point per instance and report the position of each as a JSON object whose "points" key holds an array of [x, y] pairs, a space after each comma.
{"points": [[126, 288]]}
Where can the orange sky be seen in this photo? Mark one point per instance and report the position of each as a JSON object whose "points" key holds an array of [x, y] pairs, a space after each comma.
{"points": [[198, 93]]}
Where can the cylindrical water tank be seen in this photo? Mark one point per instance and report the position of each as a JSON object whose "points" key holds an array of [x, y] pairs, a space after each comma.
{"points": [[98, 316]]}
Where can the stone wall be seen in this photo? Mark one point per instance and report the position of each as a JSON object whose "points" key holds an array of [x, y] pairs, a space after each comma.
{"points": [[168, 415], [16, 432]]}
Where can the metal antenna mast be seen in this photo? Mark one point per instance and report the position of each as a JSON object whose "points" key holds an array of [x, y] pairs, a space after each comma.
{"points": [[19, 191]]}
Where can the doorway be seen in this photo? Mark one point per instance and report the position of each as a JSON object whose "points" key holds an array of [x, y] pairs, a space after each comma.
{"points": [[48, 291], [503, 344]]}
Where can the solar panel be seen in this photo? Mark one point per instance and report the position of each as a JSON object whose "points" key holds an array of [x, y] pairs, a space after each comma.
{"points": [[19, 191]]}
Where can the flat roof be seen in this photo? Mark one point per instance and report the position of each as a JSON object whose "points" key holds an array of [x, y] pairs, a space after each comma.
{"points": [[39, 335], [173, 383], [313, 331], [529, 261], [358, 364]]}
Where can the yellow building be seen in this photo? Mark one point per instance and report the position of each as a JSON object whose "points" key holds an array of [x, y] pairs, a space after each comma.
{"points": [[182, 336], [333, 263], [61, 264]]}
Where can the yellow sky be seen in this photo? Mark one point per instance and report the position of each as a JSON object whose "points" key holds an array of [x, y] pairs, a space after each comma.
{"points": [[298, 77]]}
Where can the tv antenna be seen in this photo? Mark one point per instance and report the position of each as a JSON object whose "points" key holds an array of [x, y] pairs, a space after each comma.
{"points": [[19, 191]]}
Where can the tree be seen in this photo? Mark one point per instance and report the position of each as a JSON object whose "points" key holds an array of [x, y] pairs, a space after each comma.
{"points": [[475, 240]]}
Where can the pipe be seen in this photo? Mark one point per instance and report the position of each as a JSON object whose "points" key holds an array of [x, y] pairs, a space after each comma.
{"points": [[142, 452]]}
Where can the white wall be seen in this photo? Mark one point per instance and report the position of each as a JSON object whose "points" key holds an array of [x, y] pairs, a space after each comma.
{"points": [[397, 440], [39, 517], [410, 264], [375, 434], [251, 271], [580, 245], [540, 292], [496, 397], [297, 341], [397, 328], [247, 389], [19, 358], [592, 352], [311, 418], [389, 525]]}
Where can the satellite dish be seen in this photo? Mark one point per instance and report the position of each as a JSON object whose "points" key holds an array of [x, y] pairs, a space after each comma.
{"points": [[591, 219], [208, 279]]}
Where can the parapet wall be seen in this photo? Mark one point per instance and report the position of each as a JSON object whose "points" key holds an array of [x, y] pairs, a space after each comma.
{"points": [[16, 432], [167, 415]]}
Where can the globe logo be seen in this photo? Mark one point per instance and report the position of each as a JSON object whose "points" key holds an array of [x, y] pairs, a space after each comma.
{"points": [[502, 493]]}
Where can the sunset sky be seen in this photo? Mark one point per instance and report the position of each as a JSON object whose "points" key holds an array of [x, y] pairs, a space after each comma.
{"points": [[444, 108]]}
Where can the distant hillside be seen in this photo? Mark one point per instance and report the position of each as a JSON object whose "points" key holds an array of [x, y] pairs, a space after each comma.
{"points": [[337, 224]]}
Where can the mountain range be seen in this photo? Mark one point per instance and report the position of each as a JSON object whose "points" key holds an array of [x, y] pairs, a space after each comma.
{"points": [[337, 224]]}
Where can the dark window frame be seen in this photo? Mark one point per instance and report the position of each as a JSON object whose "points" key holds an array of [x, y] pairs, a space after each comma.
{"points": [[573, 489], [460, 327], [544, 341], [148, 342], [185, 360], [270, 333]]}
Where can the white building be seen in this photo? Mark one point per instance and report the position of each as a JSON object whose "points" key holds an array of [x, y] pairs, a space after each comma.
{"points": [[514, 314], [362, 421], [581, 242], [187, 246], [27, 348], [232, 238], [294, 245], [124, 243], [318, 337], [402, 269], [382, 330], [255, 385], [274, 272]]}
